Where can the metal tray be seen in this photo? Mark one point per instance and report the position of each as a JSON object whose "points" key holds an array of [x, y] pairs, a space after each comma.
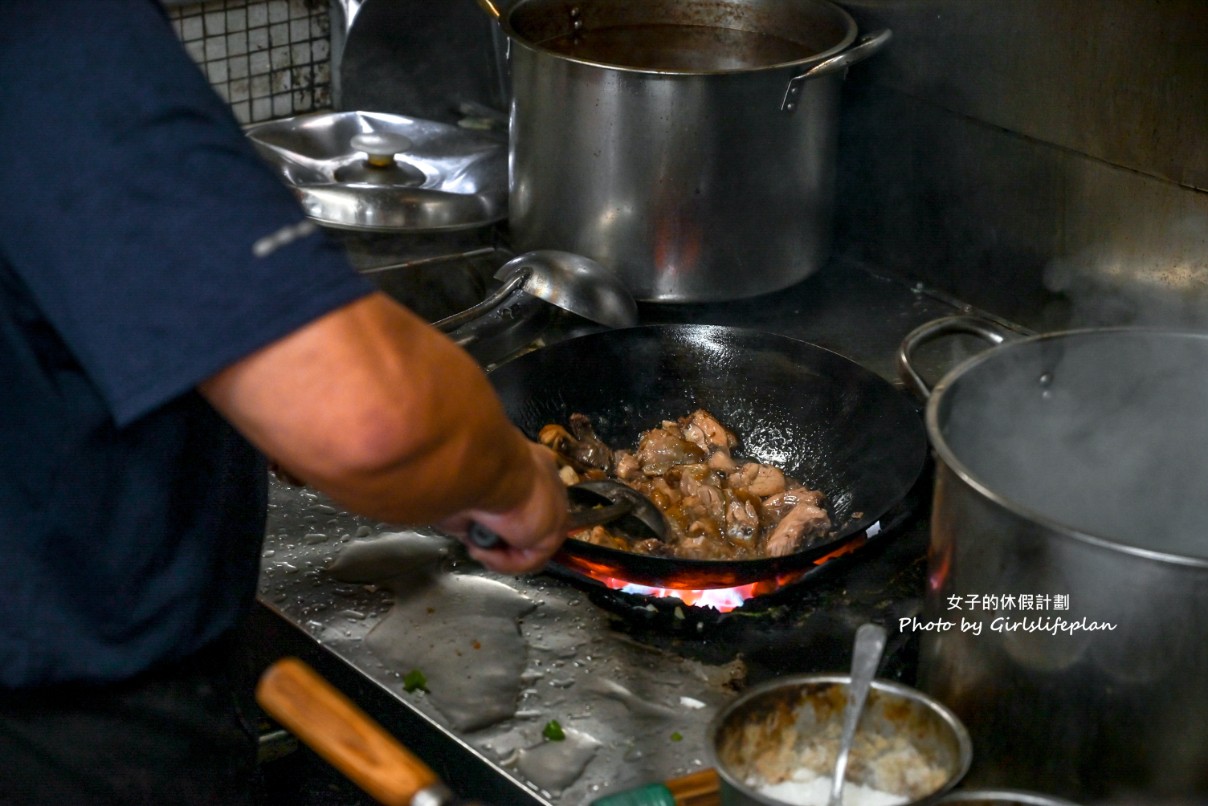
{"points": [[446, 178]]}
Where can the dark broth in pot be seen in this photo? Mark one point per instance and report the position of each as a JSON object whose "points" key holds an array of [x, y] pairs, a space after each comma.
{"points": [[678, 48]]}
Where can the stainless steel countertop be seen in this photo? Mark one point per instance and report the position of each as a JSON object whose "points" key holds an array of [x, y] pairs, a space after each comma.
{"points": [[634, 702]]}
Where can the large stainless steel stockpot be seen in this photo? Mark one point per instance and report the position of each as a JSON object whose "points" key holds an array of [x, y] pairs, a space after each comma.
{"points": [[1067, 612], [689, 145]]}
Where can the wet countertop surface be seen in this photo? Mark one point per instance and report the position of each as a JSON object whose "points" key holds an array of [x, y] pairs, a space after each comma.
{"points": [[468, 668]]}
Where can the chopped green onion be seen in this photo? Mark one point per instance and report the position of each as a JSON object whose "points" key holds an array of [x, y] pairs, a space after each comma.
{"points": [[415, 679], [553, 731]]}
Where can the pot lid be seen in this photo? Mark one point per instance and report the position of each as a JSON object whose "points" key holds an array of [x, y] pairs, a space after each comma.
{"points": [[380, 172]]}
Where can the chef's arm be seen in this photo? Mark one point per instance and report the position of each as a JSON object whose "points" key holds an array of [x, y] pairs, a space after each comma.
{"points": [[382, 412]]}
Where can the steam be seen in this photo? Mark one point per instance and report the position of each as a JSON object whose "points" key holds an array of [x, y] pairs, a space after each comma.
{"points": [[1155, 276], [1105, 433]]}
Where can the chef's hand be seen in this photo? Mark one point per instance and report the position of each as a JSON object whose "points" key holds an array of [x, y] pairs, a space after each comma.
{"points": [[359, 404], [531, 532]]}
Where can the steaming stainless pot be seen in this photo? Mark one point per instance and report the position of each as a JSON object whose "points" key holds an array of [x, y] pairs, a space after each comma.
{"points": [[688, 146], [1067, 614]]}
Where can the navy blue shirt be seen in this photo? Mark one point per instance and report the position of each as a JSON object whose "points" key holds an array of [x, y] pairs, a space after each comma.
{"points": [[144, 246]]}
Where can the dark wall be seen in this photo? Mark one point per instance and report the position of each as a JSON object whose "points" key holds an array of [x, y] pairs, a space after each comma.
{"points": [[1044, 159], [421, 58]]}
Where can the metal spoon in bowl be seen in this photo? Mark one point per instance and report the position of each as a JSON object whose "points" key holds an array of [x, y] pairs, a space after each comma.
{"points": [[866, 657]]}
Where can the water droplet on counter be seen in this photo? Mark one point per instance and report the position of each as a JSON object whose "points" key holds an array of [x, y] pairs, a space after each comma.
{"points": [[642, 705]]}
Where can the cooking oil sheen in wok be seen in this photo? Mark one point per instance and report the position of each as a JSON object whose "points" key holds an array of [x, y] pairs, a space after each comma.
{"points": [[820, 417]]}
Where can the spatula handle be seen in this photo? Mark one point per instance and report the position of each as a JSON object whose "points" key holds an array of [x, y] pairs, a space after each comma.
{"points": [[349, 739], [484, 538]]}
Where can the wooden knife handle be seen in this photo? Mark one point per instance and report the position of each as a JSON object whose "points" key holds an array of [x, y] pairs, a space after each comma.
{"points": [[335, 728]]}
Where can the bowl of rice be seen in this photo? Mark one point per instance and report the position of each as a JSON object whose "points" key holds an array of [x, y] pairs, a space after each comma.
{"points": [[776, 745]]}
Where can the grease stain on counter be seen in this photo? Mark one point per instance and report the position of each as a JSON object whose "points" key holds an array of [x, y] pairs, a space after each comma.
{"points": [[461, 632]]}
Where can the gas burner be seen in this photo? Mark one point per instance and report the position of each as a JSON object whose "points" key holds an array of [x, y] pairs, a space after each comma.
{"points": [[701, 608], [684, 605], [727, 599]]}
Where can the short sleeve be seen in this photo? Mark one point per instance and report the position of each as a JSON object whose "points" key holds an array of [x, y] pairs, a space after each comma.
{"points": [[152, 236]]}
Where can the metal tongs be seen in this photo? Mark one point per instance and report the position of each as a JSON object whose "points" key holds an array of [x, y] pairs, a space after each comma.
{"points": [[595, 503]]}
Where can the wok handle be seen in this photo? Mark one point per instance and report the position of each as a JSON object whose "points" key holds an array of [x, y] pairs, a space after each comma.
{"points": [[930, 331], [294, 694]]}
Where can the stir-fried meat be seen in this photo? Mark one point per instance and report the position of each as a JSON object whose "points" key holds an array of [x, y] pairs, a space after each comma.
{"points": [[801, 520], [579, 447], [703, 428], [626, 466], [591, 451], [780, 504], [661, 449], [742, 519], [757, 479], [716, 507]]}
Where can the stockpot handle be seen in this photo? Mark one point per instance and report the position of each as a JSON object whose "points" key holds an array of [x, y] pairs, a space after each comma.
{"points": [[930, 331], [867, 45]]}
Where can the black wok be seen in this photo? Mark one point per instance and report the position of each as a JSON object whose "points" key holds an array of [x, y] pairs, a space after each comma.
{"points": [[822, 418]]}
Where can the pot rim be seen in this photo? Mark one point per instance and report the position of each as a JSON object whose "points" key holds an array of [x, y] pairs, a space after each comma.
{"points": [[960, 733], [851, 30], [1004, 795], [966, 475]]}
